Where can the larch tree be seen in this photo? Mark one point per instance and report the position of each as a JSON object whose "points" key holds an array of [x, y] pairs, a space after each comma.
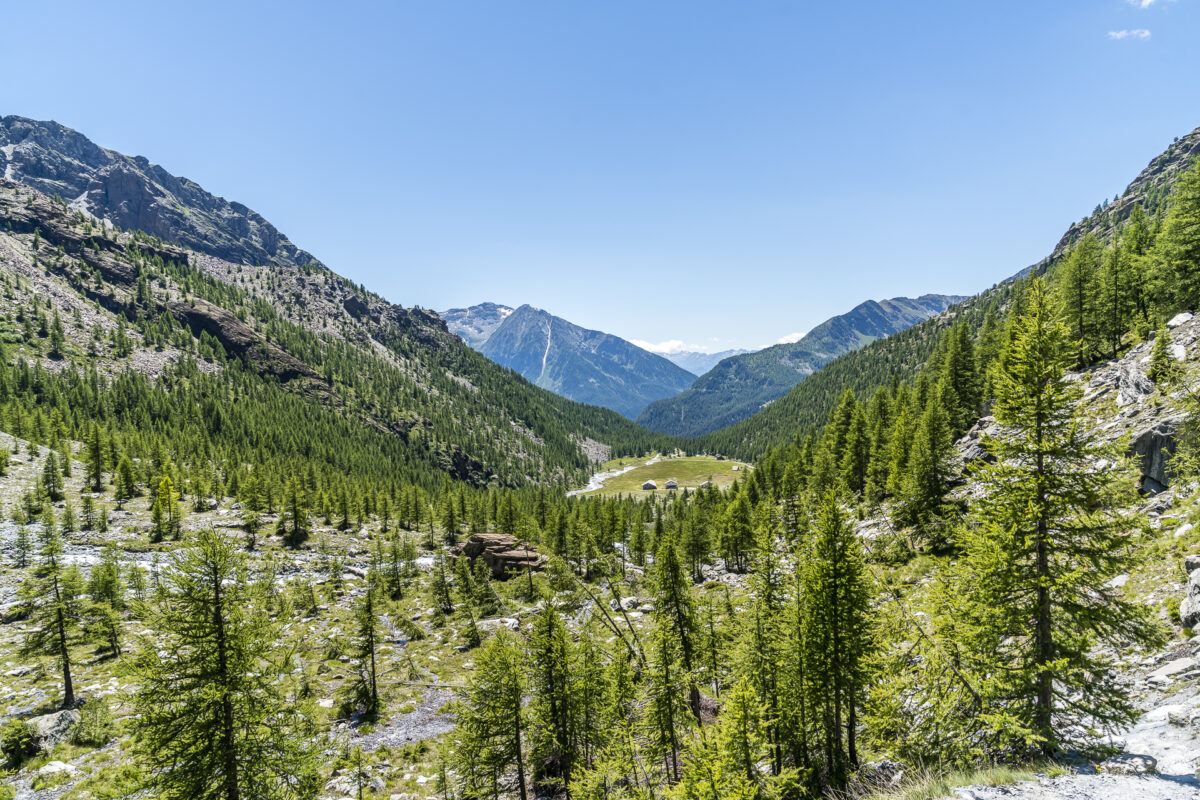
{"points": [[214, 723], [1042, 545], [492, 720], [838, 635], [54, 616]]}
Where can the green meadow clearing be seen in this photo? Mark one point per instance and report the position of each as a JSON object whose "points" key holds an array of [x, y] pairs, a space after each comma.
{"points": [[689, 471]]}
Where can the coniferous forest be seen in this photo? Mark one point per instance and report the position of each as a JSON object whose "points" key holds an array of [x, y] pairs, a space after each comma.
{"points": [[268, 535]]}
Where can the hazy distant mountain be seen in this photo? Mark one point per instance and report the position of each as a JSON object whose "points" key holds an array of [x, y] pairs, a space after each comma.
{"points": [[477, 323], [583, 365], [742, 385], [699, 363]]}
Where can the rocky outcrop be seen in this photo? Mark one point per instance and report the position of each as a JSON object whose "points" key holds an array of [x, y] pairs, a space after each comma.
{"points": [[1149, 184], [503, 554], [1189, 607], [133, 193], [241, 340], [1152, 448]]}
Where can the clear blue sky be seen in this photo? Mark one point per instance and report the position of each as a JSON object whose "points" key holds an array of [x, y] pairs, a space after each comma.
{"points": [[661, 170]]}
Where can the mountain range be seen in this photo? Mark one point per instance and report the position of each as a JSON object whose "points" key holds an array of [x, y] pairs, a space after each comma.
{"points": [[126, 251], [584, 365], [741, 385], [697, 362]]}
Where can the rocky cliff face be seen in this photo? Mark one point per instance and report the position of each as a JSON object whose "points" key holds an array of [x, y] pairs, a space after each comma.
{"points": [[133, 193], [738, 387]]}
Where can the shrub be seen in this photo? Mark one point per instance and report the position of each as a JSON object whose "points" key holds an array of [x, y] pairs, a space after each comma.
{"points": [[96, 724], [16, 741]]}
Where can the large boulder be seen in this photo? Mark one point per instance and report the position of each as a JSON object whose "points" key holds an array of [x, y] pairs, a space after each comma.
{"points": [[50, 729], [1153, 446], [1189, 607], [502, 553]]}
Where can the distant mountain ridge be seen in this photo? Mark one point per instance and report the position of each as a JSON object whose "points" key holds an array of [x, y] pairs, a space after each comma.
{"points": [[699, 363], [584, 365], [742, 385]]}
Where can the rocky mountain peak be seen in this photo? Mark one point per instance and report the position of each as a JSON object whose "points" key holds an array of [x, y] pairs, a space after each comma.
{"points": [[133, 193]]}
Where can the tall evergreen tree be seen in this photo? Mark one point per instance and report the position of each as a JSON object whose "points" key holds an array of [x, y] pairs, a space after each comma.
{"points": [[213, 721], [838, 636], [552, 710], [1044, 541], [54, 614], [492, 719]]}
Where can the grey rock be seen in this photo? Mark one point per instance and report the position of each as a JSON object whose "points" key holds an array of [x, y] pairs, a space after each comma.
{"points": [[1152, 447], [1132, 383], [1128, 764], [1191, 563], [50, 729], [1189, 607], [1179, 319]]}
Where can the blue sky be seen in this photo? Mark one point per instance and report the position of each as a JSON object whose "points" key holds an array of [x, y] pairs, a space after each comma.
{"points": [[717, 173]]}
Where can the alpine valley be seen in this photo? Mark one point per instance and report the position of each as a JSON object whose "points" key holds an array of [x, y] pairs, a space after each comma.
{"points": [[267, 535]]}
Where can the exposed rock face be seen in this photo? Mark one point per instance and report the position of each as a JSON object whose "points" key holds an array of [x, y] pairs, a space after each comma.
{"points": [[1153, 447], [133, 193], [1189, 607], [50, 729], [970, 446], [502, 553]]}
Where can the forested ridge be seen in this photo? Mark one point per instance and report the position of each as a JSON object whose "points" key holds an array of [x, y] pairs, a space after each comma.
{"points": [[902, 355]]}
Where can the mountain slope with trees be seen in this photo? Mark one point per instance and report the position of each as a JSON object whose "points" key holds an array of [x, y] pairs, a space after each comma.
{"points": [[1142, 205], [433, 404], [741, 385]]}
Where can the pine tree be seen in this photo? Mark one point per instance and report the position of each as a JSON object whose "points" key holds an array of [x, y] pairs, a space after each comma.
{"points": [[1077, 280], [52, 482], [855, 454], [1179, 242], [1162, 367], [293, 522], [213, 721], [838, 636], [667, 711], [365, 687], [126, 488], [164, 512], [552, 710], [926, 481], [675, 608], [1043, 543], [53, 614], [491, 719]]}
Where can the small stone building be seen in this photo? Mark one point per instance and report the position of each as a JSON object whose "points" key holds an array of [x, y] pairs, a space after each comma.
{"points": [[671, 484], [649, 486]]}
